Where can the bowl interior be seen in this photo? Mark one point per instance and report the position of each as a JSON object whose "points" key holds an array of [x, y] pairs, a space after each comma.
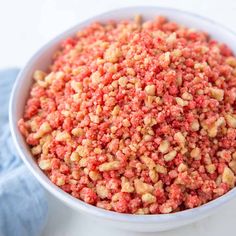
{"points": [[42, 59]]}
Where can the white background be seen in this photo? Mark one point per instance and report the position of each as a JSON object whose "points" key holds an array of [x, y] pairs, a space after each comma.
{"points": [[25, 25]]}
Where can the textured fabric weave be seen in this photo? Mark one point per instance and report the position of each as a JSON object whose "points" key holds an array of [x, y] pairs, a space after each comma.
{"points": [[23, 204]]}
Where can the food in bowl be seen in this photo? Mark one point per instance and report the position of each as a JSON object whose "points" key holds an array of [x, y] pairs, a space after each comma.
{"points": [[136, 117]]}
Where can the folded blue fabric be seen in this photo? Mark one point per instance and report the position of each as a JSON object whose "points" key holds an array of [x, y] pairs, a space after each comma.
{"points": [[23, 204]]}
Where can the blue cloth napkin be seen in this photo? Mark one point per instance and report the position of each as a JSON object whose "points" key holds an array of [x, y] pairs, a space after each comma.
{"points": [[23, 204]]}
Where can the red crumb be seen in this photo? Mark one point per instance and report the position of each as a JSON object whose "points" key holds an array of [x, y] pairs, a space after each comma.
{"points": [[136, 117]]}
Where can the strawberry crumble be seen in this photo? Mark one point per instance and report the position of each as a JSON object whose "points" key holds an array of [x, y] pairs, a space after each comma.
{"points": [[136, 117]]}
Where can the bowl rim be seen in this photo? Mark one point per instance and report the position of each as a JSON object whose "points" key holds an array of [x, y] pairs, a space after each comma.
{"points": [[79, 204]]}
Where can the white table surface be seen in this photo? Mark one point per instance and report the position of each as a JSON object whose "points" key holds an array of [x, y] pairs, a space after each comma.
{"points": [[27, 24]]}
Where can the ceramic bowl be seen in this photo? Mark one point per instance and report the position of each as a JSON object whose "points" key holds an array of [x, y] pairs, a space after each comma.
{"points": [[41, 60]]}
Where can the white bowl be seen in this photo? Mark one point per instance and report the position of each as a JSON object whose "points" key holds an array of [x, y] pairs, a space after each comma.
{"points": [[146, 223]]}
